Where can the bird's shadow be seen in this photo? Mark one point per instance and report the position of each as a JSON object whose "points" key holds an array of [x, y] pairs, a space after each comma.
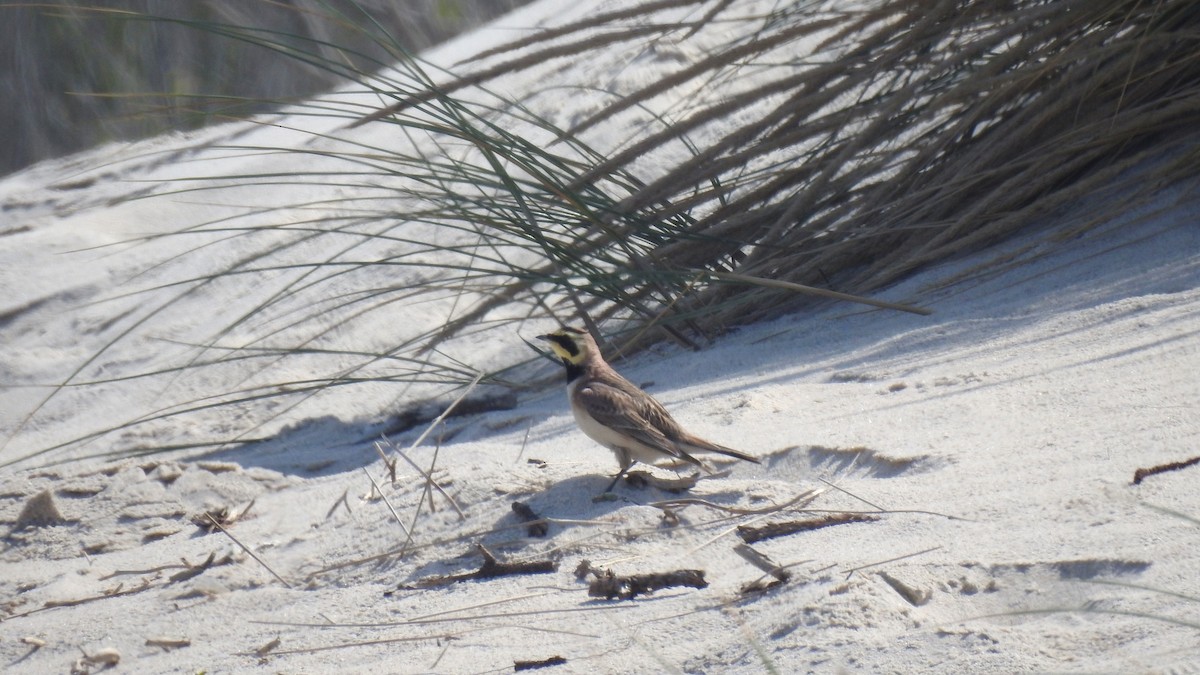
{"points": [[566, 505], [583, 498]]}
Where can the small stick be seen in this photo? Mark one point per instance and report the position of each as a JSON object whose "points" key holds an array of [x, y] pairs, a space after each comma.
{"points": [[190, 570], [492, 569], [167, 644], [151, 570], [1141, 474], [751, 534], [51, 604], [610, 586], [533, 665], [762, 562]]}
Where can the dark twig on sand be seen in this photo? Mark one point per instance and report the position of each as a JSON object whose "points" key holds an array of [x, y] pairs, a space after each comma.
{"points": [[1163, 468], [491, 569], [534, 665], [189, 571], [776, 575], [751, 534], [610, 586]]}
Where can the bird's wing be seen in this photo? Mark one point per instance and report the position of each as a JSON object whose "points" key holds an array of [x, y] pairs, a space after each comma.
{"points": [[681, 441], [638, 416]]}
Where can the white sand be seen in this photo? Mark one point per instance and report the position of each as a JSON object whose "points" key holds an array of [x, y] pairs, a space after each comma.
{"points": [[996, 440]]}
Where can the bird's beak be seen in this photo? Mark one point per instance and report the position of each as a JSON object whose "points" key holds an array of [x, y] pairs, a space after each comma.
{"points": [[544, 337]]}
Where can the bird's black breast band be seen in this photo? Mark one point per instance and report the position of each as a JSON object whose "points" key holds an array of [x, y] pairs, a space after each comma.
{"points": [[573, 371]]}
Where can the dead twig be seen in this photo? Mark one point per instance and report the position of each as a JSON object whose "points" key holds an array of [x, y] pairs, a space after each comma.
{"points": [[491, 569], [610, 586], [762, 562], [1141, 474], [777, 574], [167, 644], [189, 571], [113, 593], [751, 534], [534, 665], [161, 568]]}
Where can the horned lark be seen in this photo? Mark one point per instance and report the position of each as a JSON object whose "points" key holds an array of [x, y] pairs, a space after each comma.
{"points": [[615, 413]]}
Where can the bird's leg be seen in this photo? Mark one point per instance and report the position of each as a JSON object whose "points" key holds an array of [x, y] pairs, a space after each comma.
{"points": [[618, 478], [626, 462]]}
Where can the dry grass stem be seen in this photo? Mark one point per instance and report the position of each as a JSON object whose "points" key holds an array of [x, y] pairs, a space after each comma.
{"points": [[752, 534], [249, 552]]}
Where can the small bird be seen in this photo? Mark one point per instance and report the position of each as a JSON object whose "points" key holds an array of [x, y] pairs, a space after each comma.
{"points": [[615, 413]]}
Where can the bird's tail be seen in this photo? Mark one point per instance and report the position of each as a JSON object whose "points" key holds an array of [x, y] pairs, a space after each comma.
{"points": [[694, 444]]}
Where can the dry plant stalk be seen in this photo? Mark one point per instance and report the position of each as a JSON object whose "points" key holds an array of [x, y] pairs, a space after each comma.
{"points": [[751, 533], [1144, 473], [491, 569], [519, 666], [608, 585]]}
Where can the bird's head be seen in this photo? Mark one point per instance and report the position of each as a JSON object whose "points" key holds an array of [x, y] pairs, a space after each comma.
{"points": [[572, 345]]}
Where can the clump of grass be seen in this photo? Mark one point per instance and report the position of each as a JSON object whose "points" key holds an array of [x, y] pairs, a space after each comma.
{"points": [[807, 145]]}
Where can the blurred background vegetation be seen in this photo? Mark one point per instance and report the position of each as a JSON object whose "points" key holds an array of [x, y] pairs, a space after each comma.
{"points": [[72, 76]]}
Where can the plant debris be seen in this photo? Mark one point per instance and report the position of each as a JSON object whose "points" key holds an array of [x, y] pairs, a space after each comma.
{"points": [[751, 534], [168, 643], [490, 569], [214, 519], [609, 586], [536, 525], [1163, 468], [191, 571], [534, 665], [778, 575]]}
